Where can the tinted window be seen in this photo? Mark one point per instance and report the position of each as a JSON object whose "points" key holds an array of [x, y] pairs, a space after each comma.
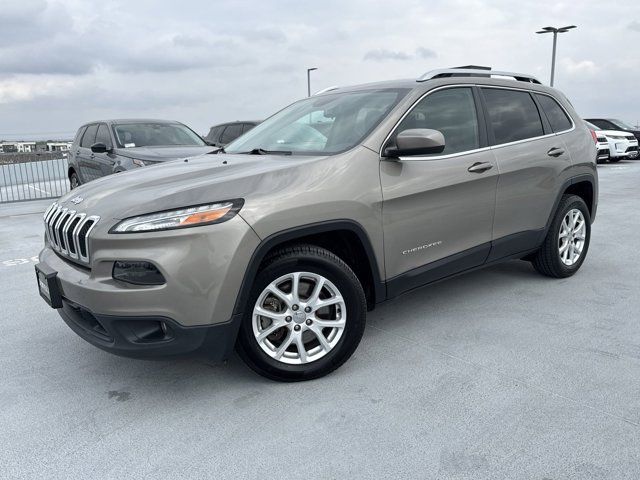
{"points": [[129, 135], [231, 133], [247, 127], [604, 124], [214, 133], [555, 114], [79, 135], [89, 137], [513, 115], [452, 112], [103, 135]]}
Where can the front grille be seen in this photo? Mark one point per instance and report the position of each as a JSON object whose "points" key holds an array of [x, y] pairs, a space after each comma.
{"points": [[68, 232], [632, 148]]}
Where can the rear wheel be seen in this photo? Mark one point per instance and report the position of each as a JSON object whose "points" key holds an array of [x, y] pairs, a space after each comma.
{"points": [[74, 181], [567, 241], [305, 315]]}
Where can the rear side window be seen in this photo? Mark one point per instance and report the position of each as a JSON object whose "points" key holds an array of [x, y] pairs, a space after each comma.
{"points": [[231, 133], [451, 111], [103, 135], [604, 124], [555, 114], [247, 127], [89, 137], [214, 134], [513, 115]]}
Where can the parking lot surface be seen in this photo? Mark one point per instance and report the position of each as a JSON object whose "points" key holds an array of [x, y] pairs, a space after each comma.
{"points": [[500, 373]]}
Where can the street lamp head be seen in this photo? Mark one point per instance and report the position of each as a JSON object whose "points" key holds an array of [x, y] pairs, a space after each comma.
{"points": [[545, 31], [312, 69], [566, 29]]}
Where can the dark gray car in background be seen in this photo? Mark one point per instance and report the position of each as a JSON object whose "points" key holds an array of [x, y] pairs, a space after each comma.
{"points": [[111, 146], [223, 134]]}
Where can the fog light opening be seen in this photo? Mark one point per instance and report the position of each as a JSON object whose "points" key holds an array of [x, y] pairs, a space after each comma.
{"points": [[137, 272]]}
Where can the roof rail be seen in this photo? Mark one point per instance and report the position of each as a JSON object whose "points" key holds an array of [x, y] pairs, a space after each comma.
{"points": [[328, 89], [475, 72]]}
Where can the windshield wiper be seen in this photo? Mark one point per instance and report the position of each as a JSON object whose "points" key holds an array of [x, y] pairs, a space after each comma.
{"points": [[262, 151]]}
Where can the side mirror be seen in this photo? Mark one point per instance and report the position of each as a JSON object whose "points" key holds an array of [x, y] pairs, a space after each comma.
{"points": [[99, 148], [416, 141]]}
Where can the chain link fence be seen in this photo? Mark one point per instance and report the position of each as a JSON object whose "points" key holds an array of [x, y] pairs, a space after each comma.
{"points": [[32, 176]]}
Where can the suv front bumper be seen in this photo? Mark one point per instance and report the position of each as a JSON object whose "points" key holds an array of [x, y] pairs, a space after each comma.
{"points": [[191, 314], [150, 337]]}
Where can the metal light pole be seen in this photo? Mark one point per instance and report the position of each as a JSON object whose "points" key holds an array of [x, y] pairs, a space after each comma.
{"points": [[309, 70], [555, 32]]}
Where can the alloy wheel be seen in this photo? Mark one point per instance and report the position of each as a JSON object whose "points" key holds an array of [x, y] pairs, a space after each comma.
{"points": [[572, 237], [299, 318]]}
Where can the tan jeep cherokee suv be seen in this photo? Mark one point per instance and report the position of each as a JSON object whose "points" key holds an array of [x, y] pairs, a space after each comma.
{"points": [[280, 244]]}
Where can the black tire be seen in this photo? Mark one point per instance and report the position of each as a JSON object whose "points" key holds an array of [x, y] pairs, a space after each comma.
{"points": [[614, 160], [74, 181], [547, 259], [316, 260]]}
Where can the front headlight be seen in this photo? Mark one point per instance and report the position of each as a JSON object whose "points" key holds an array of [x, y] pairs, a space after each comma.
{"points": [[142, 163], [197, 215]]}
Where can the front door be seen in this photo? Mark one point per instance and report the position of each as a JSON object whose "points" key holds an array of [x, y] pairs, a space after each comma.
{"points": [[438, 209], [85, 162], [104, 162]]}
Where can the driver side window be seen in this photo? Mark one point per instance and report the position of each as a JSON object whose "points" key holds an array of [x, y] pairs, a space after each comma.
{"points": [[451, 111]]}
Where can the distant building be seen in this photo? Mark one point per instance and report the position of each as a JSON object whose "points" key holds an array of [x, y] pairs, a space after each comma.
{"points": [[32, 147], [58, 146]]}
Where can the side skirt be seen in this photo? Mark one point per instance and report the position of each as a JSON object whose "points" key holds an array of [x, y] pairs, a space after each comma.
{"points": [[490, 253]]}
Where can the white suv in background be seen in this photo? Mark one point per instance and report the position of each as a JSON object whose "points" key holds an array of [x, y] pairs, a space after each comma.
{"points": [[621, 144]]}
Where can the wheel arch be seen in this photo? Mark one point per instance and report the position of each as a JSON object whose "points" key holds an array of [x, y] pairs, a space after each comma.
{"points": [[345, 238], [584, 186]]}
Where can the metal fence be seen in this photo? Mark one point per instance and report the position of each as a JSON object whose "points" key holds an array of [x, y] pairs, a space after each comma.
{"points": [[32, 176]]}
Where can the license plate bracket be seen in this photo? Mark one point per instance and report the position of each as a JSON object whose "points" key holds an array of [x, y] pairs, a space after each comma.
{"points": [[48, 285]]}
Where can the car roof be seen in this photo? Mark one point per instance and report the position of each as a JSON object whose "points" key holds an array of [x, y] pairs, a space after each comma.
{"points": [[133, 120], [255, 122]]}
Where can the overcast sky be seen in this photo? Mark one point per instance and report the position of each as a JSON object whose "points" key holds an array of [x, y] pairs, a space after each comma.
{"points": [[66, 62]]}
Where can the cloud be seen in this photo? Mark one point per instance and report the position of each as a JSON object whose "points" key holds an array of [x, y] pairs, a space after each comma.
{"points": [[382, 55], [635, 26], [423, 52], [579, 67]]}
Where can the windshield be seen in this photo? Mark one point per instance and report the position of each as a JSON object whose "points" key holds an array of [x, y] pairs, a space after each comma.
{"points": [[621, 124], [129, 135], [323, 125]]}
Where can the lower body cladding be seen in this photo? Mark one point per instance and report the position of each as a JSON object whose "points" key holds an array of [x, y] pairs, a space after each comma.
{"points": [[189, 315]]}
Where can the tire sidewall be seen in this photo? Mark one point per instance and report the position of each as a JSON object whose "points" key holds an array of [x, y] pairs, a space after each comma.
{"points": [[573, 202], [356, 311]]}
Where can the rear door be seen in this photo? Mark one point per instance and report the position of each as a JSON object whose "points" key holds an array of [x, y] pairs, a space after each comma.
{"points": [[85, 162], [104, 162], [437, 213], [531, 159]]}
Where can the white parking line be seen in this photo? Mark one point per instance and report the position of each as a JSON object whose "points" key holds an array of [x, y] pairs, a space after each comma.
{"points": [[38, 189], [19, 261]]}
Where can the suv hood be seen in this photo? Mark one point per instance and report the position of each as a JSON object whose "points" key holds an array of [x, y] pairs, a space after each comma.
{"points": [[182, 183], [618, 133], [161, 154]]}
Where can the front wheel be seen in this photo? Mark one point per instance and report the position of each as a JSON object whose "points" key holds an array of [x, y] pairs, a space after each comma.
{"points": [[614, 159], [567, 241], [74, 181], [305, 315]]}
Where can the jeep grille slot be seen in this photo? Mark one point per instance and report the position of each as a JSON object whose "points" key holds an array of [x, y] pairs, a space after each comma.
{"points": [[68, 232]]}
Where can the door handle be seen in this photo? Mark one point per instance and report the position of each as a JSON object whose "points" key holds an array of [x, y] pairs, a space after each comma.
{"points": [[480, 167], [555, 152]]}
